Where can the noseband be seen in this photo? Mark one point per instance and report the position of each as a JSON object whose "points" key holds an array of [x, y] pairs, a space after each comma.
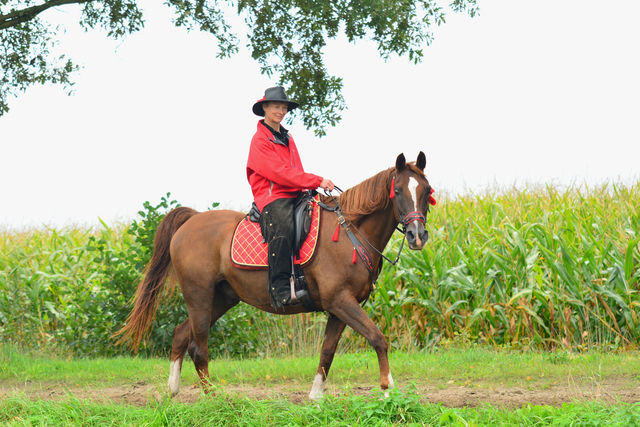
{"points": [[413, 216]]}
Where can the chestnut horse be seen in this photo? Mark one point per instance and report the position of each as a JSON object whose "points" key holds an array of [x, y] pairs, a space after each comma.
{"points": [[197, 247]]}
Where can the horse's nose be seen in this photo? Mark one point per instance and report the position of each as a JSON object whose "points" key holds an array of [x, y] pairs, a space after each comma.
{"points": [[424, 235], [417, 237]]}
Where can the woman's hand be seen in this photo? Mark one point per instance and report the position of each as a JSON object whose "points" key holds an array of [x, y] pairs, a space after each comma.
{"points": [[327, 184]]}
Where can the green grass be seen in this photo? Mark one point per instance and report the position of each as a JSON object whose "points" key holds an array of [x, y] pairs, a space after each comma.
{"points": [[444, 368], [401, 408], [453, 367]]}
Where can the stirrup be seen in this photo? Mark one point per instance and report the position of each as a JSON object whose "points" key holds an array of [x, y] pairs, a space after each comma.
{"points": [[297, 297]]}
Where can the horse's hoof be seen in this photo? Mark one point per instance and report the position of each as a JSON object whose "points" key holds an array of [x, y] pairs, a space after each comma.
{"points": [[316, 397]]}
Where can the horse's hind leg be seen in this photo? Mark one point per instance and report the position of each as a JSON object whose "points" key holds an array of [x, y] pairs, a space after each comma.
{"points": [[332, 334], [193, 335], [198, 347], [181, 338]]}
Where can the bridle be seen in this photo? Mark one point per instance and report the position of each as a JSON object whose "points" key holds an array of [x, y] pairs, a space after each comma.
{"points": [[405, 220]]}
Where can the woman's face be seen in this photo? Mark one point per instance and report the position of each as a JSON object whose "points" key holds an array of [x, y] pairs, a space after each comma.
{"points": [[274, 112]]}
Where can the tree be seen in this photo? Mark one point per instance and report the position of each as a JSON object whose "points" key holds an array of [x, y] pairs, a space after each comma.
{"points": [[286, 37]]}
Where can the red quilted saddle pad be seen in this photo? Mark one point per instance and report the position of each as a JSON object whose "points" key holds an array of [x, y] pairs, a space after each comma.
{"points": [[248, 251]]}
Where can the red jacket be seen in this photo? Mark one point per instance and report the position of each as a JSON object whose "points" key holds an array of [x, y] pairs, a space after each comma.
{"points": [[274, 170]]}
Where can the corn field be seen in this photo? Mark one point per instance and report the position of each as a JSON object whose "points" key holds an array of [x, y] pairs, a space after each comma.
{"points": [[539, 268], [535, 267]]}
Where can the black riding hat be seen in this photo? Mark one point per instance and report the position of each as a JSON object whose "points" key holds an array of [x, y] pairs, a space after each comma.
{"points": [[273, 94]]}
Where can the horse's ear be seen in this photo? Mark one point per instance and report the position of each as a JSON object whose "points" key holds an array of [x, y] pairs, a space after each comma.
{"points": [[422, 161], [401, 162]]}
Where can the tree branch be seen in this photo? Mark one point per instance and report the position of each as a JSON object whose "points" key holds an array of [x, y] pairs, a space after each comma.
{"points": [[17, 17]]}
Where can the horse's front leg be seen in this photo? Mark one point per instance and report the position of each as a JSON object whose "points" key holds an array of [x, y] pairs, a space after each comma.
{"points": [[333, 332], [350, 312]]}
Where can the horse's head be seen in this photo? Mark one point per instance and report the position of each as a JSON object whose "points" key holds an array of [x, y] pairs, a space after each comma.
{"points": [[411, 192]]}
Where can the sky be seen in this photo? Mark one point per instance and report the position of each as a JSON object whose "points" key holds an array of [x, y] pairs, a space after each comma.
{"points": [[528, 92]]}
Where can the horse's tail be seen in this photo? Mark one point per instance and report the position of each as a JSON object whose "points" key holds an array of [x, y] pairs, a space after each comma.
{"points": [[156, 272]]}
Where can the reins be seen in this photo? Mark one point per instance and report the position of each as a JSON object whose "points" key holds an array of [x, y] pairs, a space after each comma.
{"points": [[348, 225]]}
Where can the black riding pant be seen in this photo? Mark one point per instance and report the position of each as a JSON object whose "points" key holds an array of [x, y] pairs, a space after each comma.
{"points": [[276, 223]]}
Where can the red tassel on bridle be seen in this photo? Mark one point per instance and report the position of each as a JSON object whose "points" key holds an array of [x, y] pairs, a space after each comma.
{"points": [[336, 234], [432, 201], [355, 256]]}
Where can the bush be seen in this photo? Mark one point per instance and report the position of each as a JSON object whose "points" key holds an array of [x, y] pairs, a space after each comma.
{"points": [[121, 266]]}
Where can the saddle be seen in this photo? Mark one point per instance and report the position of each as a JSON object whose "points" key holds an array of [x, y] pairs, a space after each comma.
{"points": [[249, 249]]}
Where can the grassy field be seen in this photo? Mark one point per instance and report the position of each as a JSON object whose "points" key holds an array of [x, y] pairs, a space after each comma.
{"points": [[401, 408], [522, 299], [259, 391], [445, 366]]}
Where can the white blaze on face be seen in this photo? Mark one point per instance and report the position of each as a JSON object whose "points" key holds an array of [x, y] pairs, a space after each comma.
{"points": [[413, 189], [318, 388]]}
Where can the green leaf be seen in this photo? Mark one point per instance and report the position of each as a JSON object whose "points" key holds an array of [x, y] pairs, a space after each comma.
{"points": [[628, 259]]}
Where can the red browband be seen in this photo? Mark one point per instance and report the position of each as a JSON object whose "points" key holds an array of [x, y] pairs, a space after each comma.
{"points": [[392, 193]]}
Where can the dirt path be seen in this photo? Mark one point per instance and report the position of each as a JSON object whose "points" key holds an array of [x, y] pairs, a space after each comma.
{"points": [[452, 395]]}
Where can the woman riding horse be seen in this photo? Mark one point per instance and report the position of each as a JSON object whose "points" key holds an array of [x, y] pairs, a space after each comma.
{"points": [[276, 176], [196, 245]]}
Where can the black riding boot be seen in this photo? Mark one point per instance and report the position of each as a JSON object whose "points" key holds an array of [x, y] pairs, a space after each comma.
{"points": [[279, 272], [276, 223]]}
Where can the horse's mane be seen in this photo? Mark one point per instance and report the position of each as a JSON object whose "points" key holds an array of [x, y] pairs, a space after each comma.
{"points": [[370, 195]]}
